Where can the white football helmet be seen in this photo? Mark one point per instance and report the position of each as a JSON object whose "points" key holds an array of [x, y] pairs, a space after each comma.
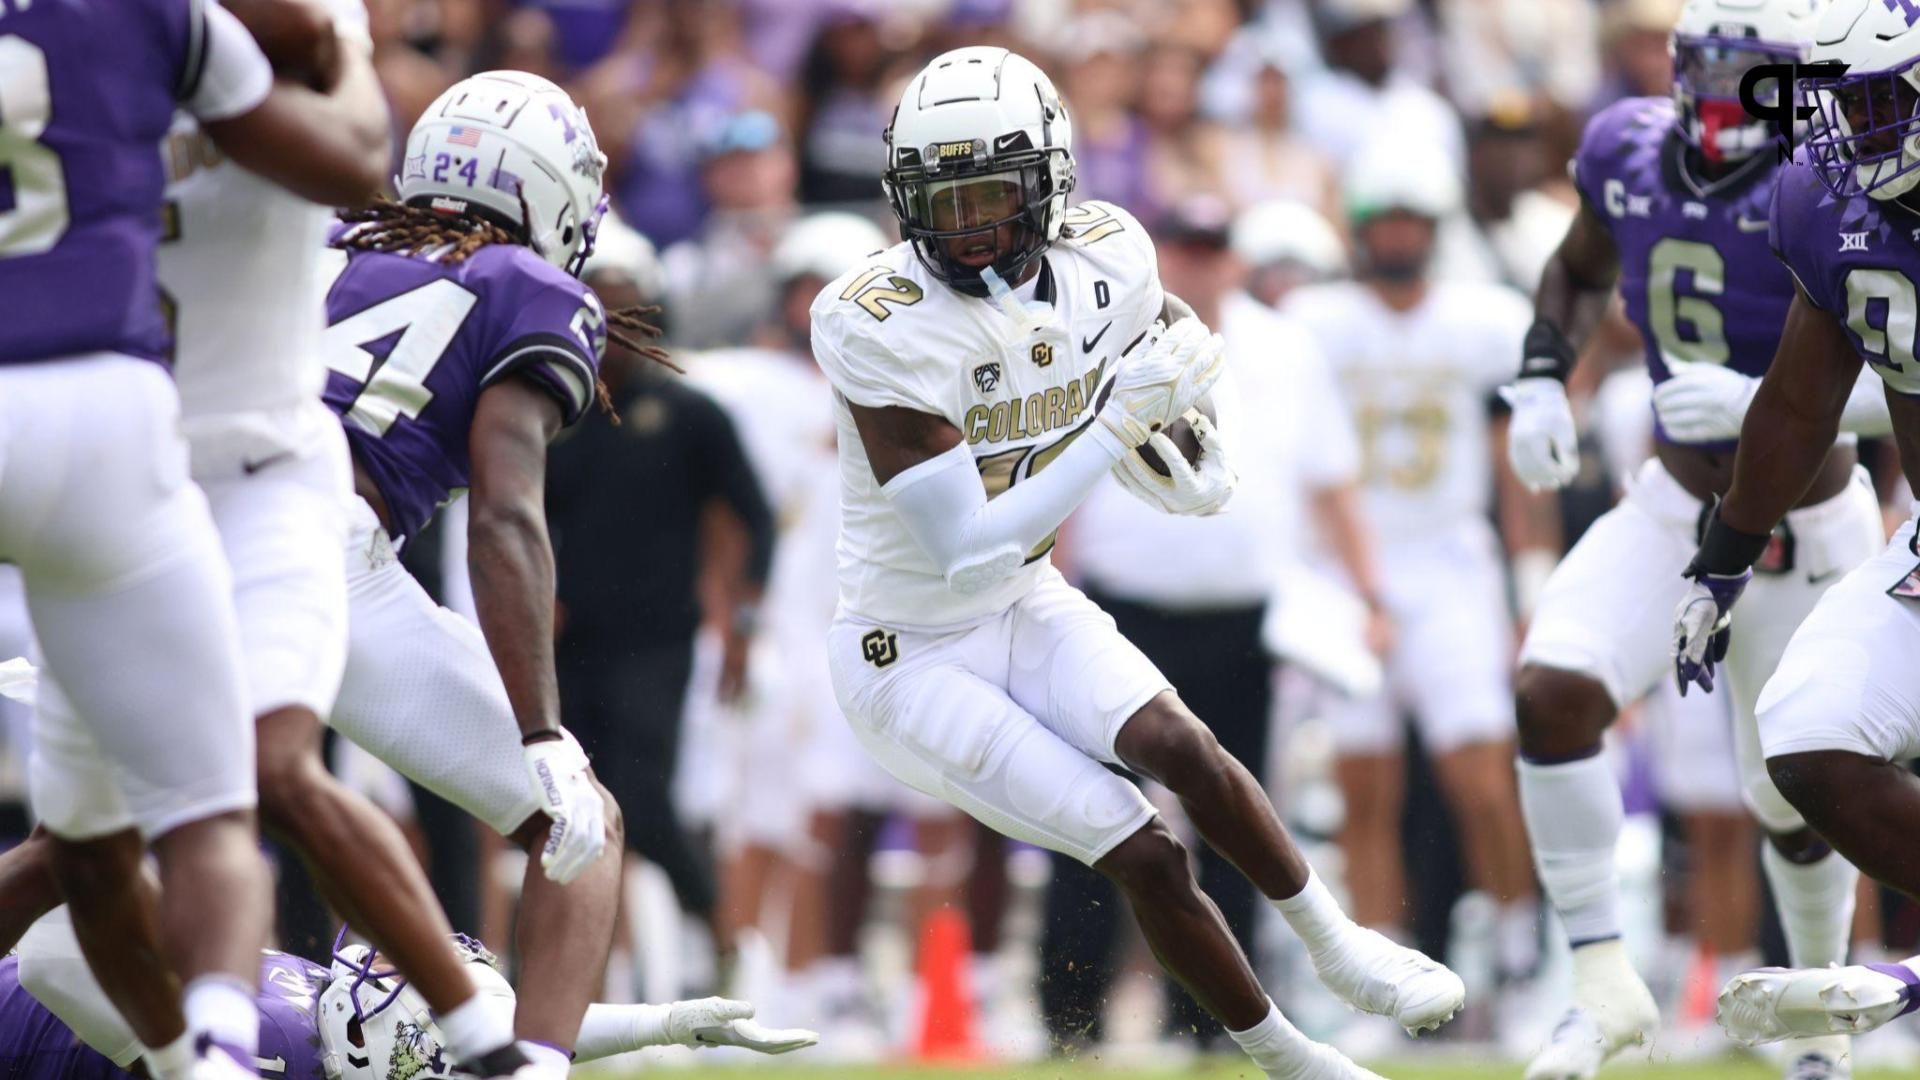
{"points": [[1285, 231], [1714, 44], [515, 148], [979, 142], [1869, 142], [621, 248], [825, 245], [373, 1026]]}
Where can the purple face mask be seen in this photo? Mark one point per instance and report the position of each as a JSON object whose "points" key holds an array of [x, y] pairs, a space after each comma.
{"points": [[1858, 142]]}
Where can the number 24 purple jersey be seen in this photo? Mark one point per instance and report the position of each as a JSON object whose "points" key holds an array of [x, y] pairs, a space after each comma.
{"points": [[411, 343]]}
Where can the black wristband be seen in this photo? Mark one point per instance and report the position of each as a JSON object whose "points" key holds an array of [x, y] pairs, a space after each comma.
{"points": [[1547, 354], [551, 734], [1727, 551]]}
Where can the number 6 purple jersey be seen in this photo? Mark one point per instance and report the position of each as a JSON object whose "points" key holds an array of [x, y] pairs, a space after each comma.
{"points": [[1699, 281], [411, 343], [87, 92]]}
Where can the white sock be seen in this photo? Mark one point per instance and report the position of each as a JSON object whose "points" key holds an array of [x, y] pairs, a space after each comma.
{"points": [[1815, 903], [1517, 938], [1574, 815], [172, 1061], [545, 1055], [476, 1027], [1314, 915], [221, 1007], [1275, 1045]]}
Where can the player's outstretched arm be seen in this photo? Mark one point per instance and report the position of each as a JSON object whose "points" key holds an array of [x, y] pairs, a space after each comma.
{"points": [[617, 1029], [510, 559], [1542, 445], [331, 148], [1788, 432]]}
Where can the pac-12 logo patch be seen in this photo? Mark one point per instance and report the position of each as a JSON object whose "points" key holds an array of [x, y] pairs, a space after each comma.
{"points": [[986, 377], [879, 648]]}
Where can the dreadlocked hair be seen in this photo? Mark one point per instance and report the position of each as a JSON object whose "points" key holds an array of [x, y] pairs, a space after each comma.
{"points": [[398, 227]]}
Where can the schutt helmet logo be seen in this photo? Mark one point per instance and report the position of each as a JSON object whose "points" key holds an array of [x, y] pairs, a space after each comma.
{"points": [[879, 648], [986, 377]]}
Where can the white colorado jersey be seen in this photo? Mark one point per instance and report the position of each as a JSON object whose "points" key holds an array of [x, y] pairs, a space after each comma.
{"points": [[889, 334], [1417, 384], [241, 265]]}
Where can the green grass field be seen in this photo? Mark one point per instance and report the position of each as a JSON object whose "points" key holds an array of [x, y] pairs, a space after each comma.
{"points": [[1218, 1069]]}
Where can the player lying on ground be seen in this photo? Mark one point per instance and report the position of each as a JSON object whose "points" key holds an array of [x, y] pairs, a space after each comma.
{"points": [[1674, 197], [1841, 716], [354, 1020], [989, 371]]}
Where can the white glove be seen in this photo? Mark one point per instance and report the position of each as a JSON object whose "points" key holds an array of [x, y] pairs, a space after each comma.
{"points": [[720, 1022], [1703, 402], [18, 680], [1152, 390], [557, 771], [1186, 491], [1542, 445]]}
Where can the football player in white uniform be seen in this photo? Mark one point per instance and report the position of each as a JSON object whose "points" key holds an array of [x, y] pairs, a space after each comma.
{"points": [[988, 372], [1418, 360]]}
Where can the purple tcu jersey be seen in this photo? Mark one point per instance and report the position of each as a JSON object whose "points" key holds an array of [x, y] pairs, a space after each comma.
{"points": [[1858, 260], [1695, 271], [87, 92], [36, 1045], [412, 343]]}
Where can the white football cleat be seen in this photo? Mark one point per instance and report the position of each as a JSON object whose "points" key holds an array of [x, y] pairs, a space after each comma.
{"points": [[1325, 1063], [1771, 1004], [1368, 971], [1612, 1010]]}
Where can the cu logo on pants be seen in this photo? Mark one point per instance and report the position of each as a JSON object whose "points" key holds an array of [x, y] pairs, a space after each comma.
{"points": [[879, 648]]}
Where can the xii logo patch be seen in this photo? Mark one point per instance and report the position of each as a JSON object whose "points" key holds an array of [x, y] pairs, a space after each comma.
{"points": [[1853, 241], [987, 376], [1042, 354], [879, 648]]}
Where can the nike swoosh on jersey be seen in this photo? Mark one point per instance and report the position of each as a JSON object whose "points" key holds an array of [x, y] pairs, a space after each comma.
{"points": [[1749, 225], [251, 467], [1087, 344]]}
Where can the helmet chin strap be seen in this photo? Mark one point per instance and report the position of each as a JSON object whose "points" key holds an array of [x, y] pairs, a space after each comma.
{"points": [[1028, 316]]}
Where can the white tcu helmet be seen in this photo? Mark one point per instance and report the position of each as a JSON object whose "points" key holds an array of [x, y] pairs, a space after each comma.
{"points": [[825, 245], [1286, 231], [979, 141], [514, 147], [1869, 142], [373, 1026], [1714, 45]]}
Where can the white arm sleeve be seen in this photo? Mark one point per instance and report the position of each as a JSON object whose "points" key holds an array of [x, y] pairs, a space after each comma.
{"points": [[978, 543], [236, 76], [607, 1030], [54, 972], [1866, 412]]}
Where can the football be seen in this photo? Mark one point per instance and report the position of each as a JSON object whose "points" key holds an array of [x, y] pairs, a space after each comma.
{"points": [[1182, 434]]}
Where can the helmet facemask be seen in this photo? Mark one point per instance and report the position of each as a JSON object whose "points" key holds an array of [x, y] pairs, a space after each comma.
{"points": [[1867, 138], [1707, 72], [965, 216]]}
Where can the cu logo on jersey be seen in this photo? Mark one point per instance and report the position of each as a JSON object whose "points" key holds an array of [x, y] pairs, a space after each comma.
{"points": [[879, 648], [986, 377], [1042, 354]]}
